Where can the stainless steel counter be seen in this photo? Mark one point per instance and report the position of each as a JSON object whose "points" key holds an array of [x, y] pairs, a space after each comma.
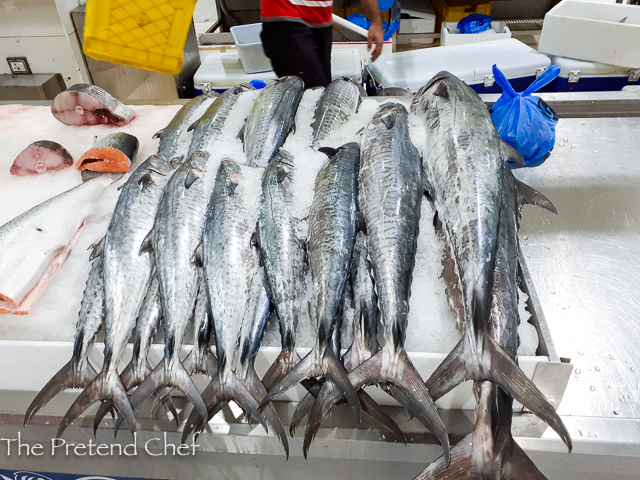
{"points": [[585, 265]]}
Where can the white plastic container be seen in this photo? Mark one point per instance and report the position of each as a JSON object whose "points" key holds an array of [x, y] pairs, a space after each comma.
{"points": [[583, 76], [249, 44], [471, 63], [450, 35], [608, 33], [220, 71]]}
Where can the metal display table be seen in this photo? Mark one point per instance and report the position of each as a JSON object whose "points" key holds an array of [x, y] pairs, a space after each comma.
{"points": [[585, 265]]}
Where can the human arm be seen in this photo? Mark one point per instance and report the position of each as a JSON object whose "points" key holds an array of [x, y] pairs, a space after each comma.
{"points": [[376, 35]]}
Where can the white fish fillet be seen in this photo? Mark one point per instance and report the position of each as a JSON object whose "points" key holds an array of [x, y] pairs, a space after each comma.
{"points": [[31, 242]]}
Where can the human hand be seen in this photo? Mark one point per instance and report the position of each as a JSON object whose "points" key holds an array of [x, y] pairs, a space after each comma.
{"points": [[376, 38]]}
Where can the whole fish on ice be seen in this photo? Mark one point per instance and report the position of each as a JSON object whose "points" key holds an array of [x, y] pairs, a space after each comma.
{"points": [[332, 231], [271, 119], [465, 168], [127, 273], [337, 103]]}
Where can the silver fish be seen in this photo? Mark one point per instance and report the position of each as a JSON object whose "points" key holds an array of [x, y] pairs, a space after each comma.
{"points": [[127, 273], [338, 102], [332, 230], [175, 236], [390, 193], [271, 119], [465, 167], [490, 452], [175, 134], [78, 372], [208, 127], [230, 270], [284, 257]]}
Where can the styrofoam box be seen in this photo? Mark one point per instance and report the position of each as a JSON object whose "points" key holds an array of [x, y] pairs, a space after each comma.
{"points": [[471, 63], [220, 71], [450, 35], [600, 32], [421, 20], [584, 76], [249, 43]]}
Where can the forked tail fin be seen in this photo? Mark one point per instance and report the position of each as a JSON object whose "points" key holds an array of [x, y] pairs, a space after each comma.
{"points": [[216, 395], [372, 372], [329, 367], [67, 377], [278, 369], [170, 374], [106, 386], [513, 464], [494, 365]]}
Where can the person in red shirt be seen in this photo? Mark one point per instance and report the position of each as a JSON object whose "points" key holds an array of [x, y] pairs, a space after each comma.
{"points": [[296, 36]]}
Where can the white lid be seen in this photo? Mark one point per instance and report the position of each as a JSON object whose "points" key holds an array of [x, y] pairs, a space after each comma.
{"points": [[568, 65], [513, 58], [413, 68], [223, 70]]}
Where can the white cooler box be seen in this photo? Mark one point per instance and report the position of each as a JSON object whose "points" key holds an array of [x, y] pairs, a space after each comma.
{"points": [[221, 71], [471, 63], [599, 32], [583, 76]]}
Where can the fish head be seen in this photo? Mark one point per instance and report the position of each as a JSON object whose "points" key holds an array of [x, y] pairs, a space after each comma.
{"points": [[389, 113]]}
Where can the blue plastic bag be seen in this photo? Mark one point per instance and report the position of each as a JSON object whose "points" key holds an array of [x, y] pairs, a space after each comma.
{"points": [[525, 121], [475, 23]]}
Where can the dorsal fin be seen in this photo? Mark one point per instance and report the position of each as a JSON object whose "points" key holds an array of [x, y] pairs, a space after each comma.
{"points": [[389, 119], [328, 151], [528, 195]]}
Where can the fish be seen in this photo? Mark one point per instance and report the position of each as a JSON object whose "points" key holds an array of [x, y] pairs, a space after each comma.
{"points": [[337, 103], [78, 372], [365, 344], [332, 231], [36, 244], [40, 157], [490, 451], [464, 163], [207, 129], [389, 196], [230, 262], [112, 153], [283, 255], [271, 119], [147, 324], [173, 137], [84, 104], [176, 234], [127, 274], [394, 92]]}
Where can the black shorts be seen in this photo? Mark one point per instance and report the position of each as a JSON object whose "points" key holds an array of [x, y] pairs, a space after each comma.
{"points": [[297, 49]]}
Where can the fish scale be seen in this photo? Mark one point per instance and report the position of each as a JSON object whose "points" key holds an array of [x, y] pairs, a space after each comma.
{"points": [[337, 103], [271, 119], [283, 256]]}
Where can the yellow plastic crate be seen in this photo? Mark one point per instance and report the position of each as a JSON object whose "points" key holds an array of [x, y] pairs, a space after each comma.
{"points": [[456, 10], [147, 34]]}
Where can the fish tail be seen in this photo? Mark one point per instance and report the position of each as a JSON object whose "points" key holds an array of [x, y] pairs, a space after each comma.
{"points": [[421, 405], [106, 386], [473, 459], [373, 409], [330, 367], [258, 390], [216, 395], [170, 374], [302, 410], [164, 399], [460, 365], [278, 369], [67, 377]]}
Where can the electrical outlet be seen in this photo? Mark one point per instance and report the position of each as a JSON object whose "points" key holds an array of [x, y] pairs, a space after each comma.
{"points": [[18, 65]]}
